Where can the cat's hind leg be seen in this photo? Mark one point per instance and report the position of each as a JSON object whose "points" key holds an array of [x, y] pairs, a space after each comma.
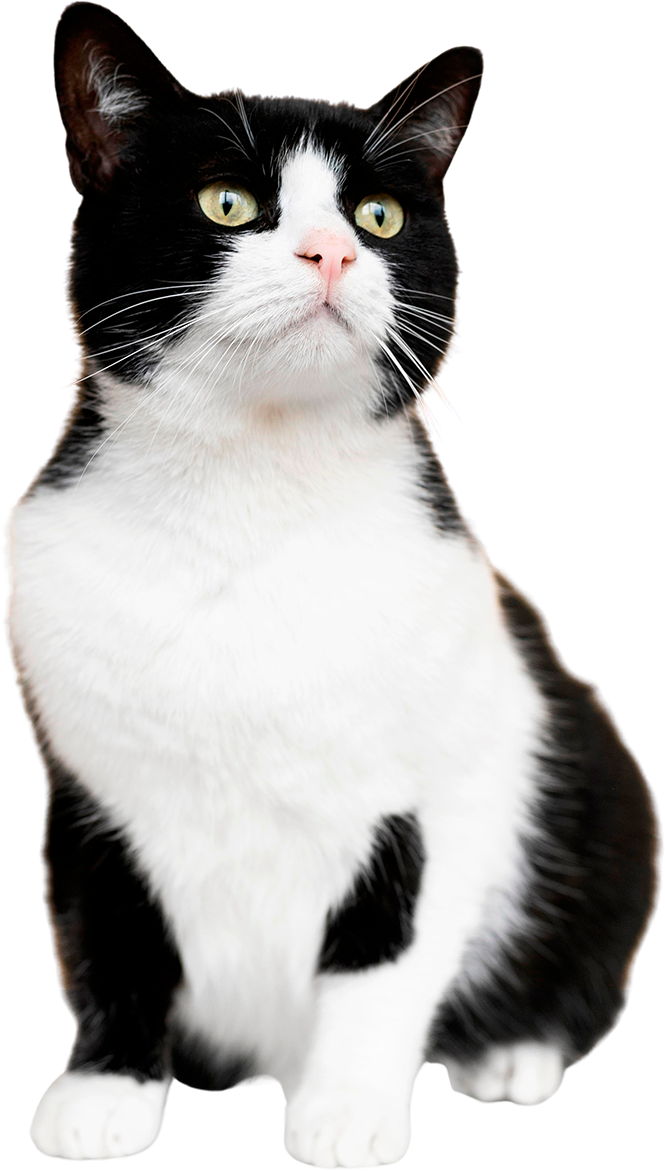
{"points": [[119, 971], [526, 1072]]}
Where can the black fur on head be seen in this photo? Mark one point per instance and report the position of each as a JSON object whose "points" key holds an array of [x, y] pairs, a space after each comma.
{"points": [[141, 147]]}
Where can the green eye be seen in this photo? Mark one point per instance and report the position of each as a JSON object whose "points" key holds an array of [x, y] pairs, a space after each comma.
{"points": [[228, 205], [381, 215]]}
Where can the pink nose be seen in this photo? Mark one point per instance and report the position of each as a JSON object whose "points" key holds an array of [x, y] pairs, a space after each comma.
{"points": [[330, 253]]}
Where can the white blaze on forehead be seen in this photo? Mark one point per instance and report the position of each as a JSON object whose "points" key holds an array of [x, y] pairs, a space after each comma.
{"points": [[308, 194]]}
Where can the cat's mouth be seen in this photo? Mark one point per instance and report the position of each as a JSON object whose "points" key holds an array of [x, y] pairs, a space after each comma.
{"points": [[326, 310], [322, 313]]}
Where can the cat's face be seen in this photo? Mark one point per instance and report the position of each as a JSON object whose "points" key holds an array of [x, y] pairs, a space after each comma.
{"points": [[267, 250]]}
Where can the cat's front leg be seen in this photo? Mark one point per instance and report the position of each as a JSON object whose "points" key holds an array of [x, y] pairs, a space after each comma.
{"points": [[351, 1105], [98, 1115], [119, 971]]}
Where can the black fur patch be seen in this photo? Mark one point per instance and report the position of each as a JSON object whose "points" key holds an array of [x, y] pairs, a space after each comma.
{"points": [[433, 485], [592, 878], [196, 1063], [375, 921], [118, 964], [83, 434]]}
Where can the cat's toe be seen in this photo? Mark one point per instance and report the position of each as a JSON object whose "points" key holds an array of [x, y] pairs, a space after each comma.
{"points": [[526, 1073], [98, 1116], [537, 1073], [333, 1130]]}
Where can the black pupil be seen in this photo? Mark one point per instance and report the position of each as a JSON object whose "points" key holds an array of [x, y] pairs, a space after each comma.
{"points": [[227, 201], [379, 214]]}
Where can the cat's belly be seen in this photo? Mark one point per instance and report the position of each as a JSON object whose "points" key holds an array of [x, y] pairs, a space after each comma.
{"points": [[248, 734]]}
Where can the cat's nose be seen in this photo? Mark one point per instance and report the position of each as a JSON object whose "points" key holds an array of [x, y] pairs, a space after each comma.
{"points": [[331, 253]]}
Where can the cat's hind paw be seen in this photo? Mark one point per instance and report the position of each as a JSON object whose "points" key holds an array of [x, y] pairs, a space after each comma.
{"points": [[98, 1116], [336, 1130], [526, 1073]]}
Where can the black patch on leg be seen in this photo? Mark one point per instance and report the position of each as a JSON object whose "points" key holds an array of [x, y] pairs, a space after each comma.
{"points": [[375, 921], [119, 966]]}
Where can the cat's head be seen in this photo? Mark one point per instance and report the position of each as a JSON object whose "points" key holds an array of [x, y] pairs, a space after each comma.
{"points": [[269, 250]]}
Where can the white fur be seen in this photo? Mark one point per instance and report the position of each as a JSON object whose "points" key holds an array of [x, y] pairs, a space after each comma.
{"points": [[248, 641], [526, 1073], [98, 1116], [116, 99]]}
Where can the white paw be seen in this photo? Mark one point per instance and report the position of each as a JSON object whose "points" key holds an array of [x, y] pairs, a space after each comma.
{"points": [[338, 1129], [98, 1115], [527, 1073]]}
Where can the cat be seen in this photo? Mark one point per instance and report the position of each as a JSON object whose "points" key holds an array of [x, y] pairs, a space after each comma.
{"points": [[324, 802]]}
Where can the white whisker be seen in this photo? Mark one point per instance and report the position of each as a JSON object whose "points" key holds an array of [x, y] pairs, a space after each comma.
{"points": [[193, 285], [244, 118], [429, 315], [401, 94], [395, 151], [419, 366], [393, 129], [236, 141], [129, 308], [115, 431]]}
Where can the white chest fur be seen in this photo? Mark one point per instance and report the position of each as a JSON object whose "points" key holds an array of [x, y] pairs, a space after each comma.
{"points": [[249, 666]]}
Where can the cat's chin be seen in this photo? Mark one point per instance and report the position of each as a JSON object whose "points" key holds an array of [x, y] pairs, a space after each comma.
{"points": [[322, 340], [323, 320]]}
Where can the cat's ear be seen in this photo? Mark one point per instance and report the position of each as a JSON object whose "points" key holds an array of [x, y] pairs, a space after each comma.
{"points": [[106, 79], [429, 112]]}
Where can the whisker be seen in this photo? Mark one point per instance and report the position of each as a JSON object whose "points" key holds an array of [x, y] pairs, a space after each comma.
{"points": [[193, 285], [416, 333], [419, 366], [115, 432], [395, 151], [160, 334], [392, 129], [399, 95], [230, 129], [244, 118], [206, 347], [428, 314], [422, 293], [193, 404], [129, 308], [123, 358], [420, 401]]}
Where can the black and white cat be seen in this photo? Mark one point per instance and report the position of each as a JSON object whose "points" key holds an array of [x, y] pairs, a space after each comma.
{"points": [[325, 805]]}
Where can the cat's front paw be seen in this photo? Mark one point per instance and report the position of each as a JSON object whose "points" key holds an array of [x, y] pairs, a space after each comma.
{"points": [[338, 1129], [98, 1116]]}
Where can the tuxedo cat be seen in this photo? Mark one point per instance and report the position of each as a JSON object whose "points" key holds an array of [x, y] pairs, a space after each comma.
{"points": [[324, 802]]}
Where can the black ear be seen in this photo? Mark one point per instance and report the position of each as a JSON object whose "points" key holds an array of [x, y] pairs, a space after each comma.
{"points": [[429, 112], [106, 79]]}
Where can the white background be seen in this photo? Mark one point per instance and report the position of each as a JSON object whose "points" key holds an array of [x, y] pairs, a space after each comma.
{"points": [[587, 199]]}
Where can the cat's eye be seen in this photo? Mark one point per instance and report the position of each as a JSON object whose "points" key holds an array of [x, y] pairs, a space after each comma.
{"points": [[381, 215], [228, 204]]}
